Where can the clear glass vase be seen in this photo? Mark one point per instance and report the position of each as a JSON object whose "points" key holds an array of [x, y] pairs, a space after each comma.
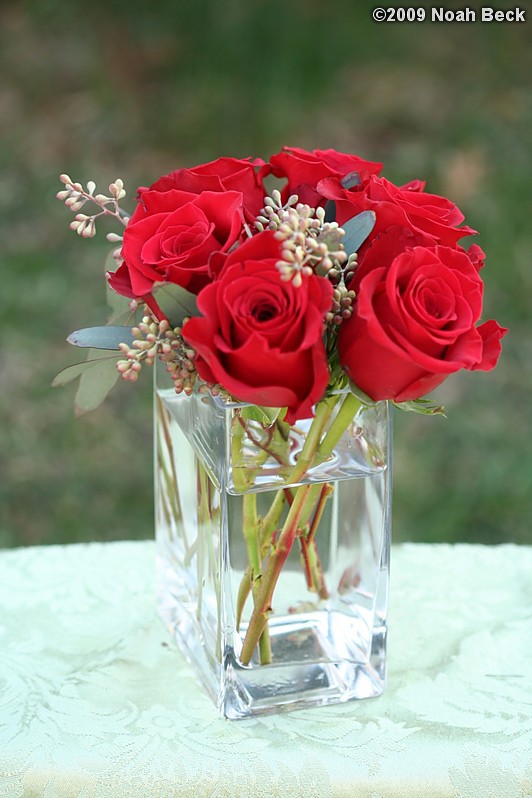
{"points": [[273, 548]]}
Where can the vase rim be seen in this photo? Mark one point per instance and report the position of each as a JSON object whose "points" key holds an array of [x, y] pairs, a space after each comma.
{"points": [[229, 404]]}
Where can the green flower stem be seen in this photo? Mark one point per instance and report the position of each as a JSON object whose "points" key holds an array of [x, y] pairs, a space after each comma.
{"points": [[164, 498], [244, 590], [283, 546], [252, 537], [313, 558], [203, 519], [192, 550], [317, 570], [272, 519], [206, 485], [312, 568], [325, 492], [171, 480], [318, 494], [251, 534], [305, 500], [313, 496], [307, 565], [269, 449], [308, 453], [215, 575], [276, 447], [240, 478], [267, 529], [345, 415]]}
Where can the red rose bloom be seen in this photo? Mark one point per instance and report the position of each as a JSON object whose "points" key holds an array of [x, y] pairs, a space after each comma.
{"points": [[392, 242], [382, 251], [304, 170], [407, 207], [414, 324], [172, 235], [224, 174], [261, 337]]}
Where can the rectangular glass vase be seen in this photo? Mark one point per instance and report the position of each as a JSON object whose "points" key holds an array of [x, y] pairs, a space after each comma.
{"points": [[273, 578]]}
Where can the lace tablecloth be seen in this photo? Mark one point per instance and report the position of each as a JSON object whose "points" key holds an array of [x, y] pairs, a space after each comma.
{"points": [[95, 702]]}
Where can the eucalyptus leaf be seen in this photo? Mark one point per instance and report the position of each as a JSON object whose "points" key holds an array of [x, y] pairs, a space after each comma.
{"points": [[330, 211], [175, 302], [95, 384], [357, 230], [264, 415], [110, 264], [424, 406], [116, 302], [351, 180], [108, 337], [71, 373], [124, 319], [121, 313]]}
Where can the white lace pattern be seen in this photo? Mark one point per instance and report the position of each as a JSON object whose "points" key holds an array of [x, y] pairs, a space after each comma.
{"points": [[95, 702]]}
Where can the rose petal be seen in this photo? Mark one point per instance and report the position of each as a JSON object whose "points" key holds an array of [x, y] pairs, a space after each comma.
{"points": [[491, 333]]}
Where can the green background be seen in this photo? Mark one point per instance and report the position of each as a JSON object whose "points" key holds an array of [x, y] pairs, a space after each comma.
{"points": [[136, 89]]}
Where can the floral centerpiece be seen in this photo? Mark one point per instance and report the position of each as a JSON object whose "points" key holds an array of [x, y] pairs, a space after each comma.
{"points": [[287, 320]]}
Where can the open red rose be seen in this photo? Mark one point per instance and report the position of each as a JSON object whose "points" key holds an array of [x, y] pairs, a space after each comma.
{"points": [[223, 174], [407, 207], [383, 250], [261, 337], [304, 170], [172, 235], [414, 324]]}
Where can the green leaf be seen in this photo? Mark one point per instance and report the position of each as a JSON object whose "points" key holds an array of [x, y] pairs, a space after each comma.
{"points": [[95, 383], [264, 415], [424, 406], [124, 319], [330, 211], [351, 180], [175, 302], [71, 373], [360, 395], [357, 230], [98, 375], [121, 313], [108, 337]]}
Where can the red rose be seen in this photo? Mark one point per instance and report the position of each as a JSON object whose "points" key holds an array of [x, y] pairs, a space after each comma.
{"points": [[414, 324], [224, 174], [381, 251], [172, 235], [261, 337], [304, 170], [392, 242], [407, 207]]}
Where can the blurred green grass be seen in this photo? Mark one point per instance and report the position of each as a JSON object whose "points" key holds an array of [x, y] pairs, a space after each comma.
{"points": [[136, 90]]}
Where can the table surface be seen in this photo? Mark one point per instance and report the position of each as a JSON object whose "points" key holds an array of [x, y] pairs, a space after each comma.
{"points": [[95, 701]]}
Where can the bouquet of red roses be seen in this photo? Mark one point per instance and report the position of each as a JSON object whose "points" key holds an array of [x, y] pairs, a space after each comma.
{"points": [[341, 276], [338, 288]]}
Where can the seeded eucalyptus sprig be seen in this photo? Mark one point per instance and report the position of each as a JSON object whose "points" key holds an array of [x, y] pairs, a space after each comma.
{"points": [[309, 244], [313, 243], [76, 197], [157, 339]]}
